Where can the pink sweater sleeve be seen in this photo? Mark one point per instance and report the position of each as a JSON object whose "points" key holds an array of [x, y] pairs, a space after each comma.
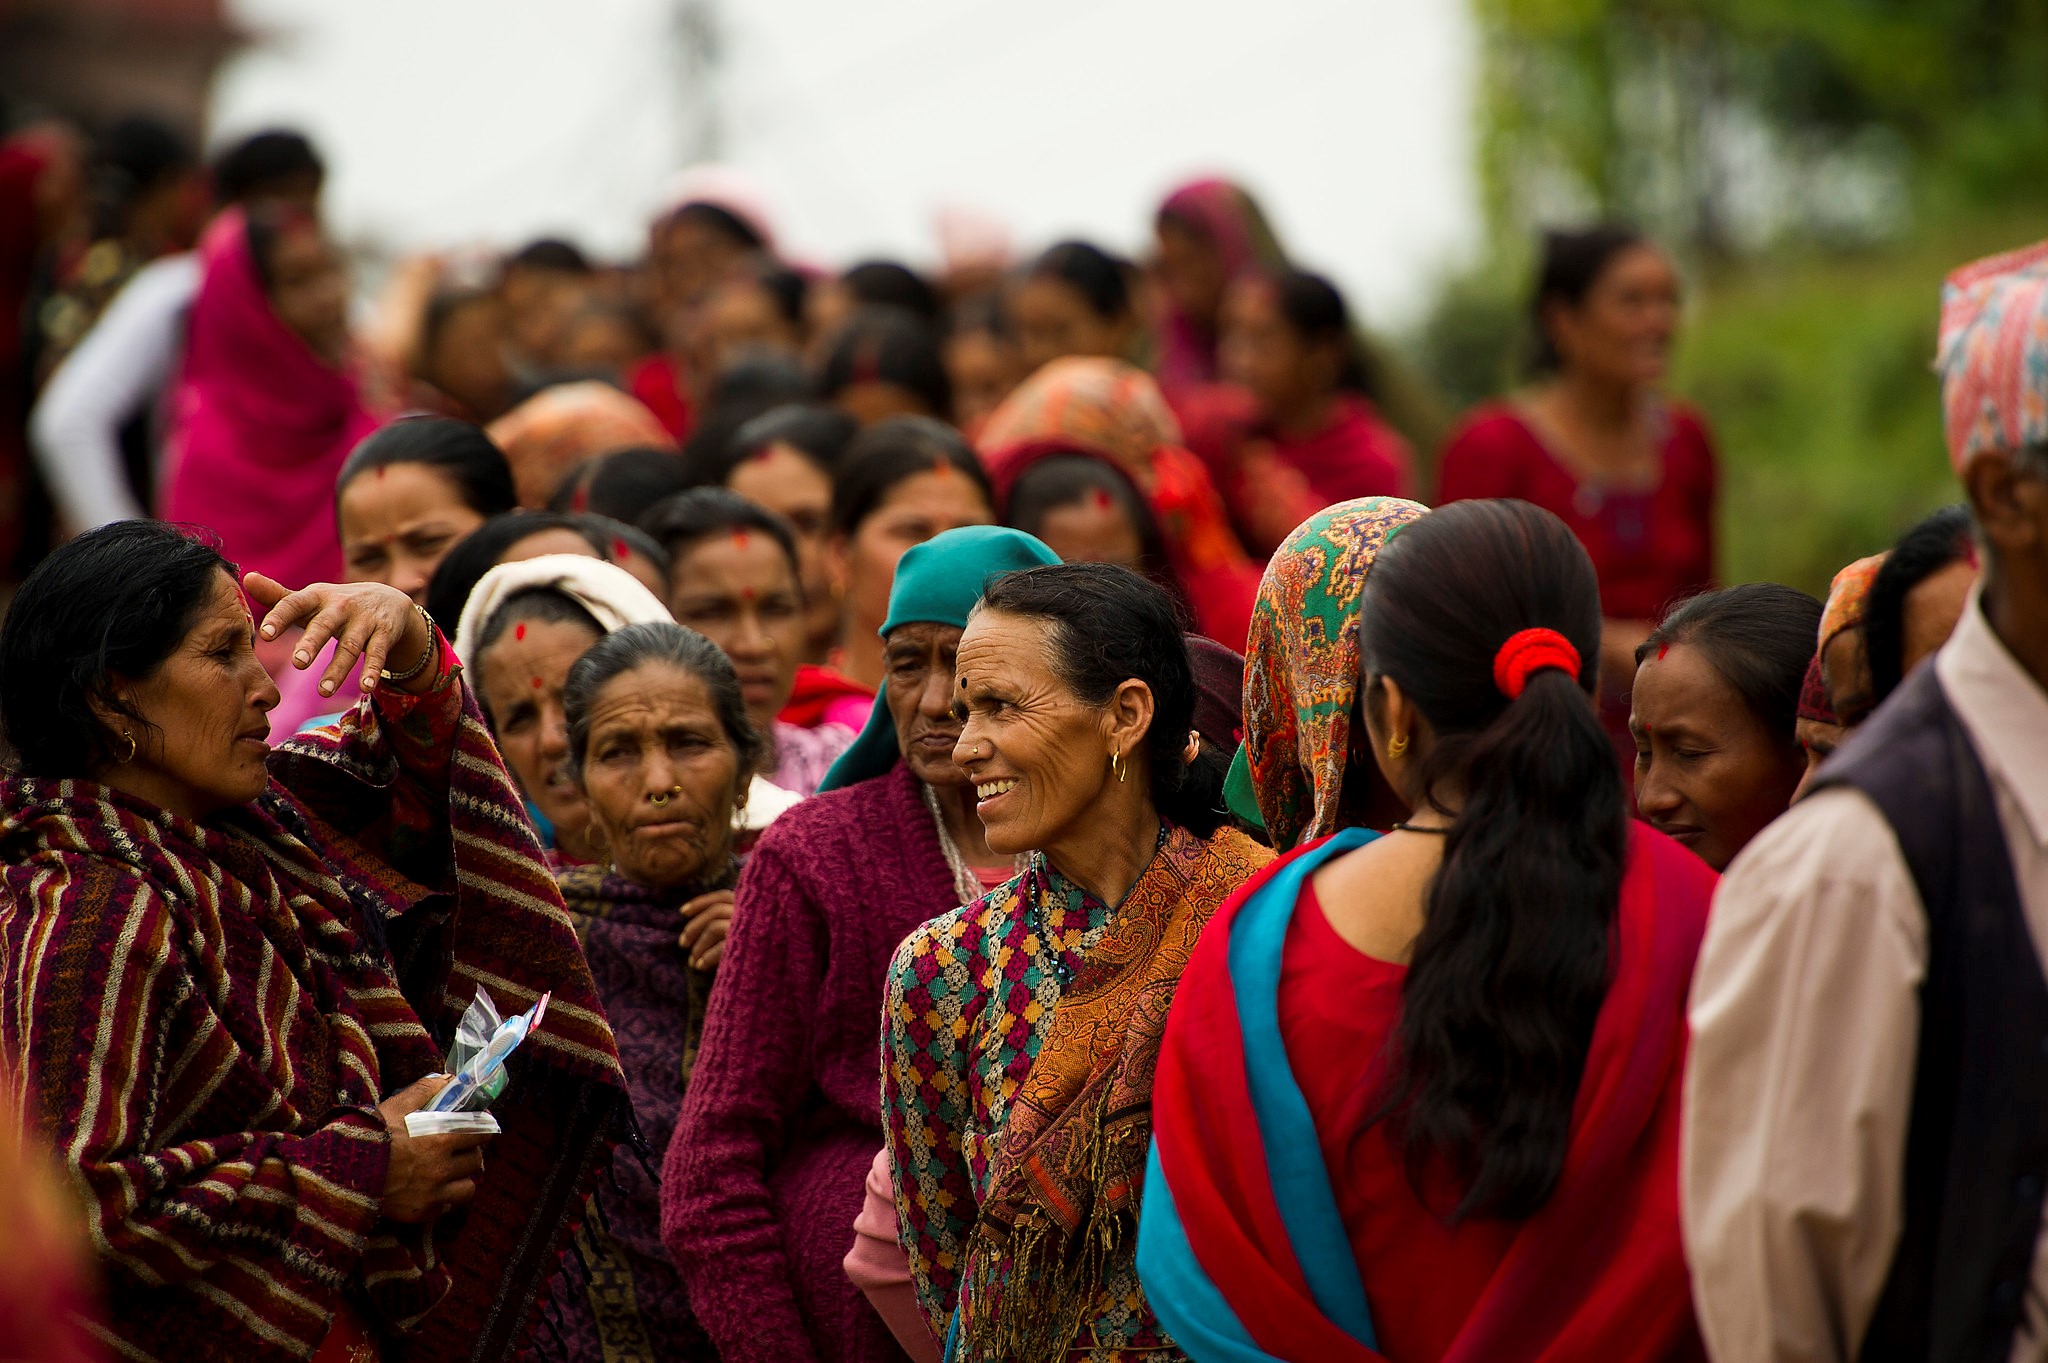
{"points": [[881, 1270]]}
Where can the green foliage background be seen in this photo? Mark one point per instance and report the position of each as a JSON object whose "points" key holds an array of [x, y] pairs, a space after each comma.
{"points": [[1809, 351]]}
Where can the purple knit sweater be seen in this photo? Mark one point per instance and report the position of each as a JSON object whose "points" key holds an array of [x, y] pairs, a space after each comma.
{"points": [[766, 1172]]}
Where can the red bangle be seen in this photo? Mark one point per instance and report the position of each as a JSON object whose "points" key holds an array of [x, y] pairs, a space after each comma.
{"points": [[1528, 652]]}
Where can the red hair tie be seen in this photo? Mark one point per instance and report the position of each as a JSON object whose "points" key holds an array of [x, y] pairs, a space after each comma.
{"points": [[1528, 652]]}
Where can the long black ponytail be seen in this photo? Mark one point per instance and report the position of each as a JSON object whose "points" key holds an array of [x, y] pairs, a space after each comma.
{"points": [[1512, 965]]}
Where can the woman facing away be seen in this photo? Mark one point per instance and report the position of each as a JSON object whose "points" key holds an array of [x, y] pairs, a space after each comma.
{"points": [[764, 1174], [1307, 760], [232, 969], [1021, 1029], [266, 405], [1418, 1099], [1597, 443], [662, 749]]}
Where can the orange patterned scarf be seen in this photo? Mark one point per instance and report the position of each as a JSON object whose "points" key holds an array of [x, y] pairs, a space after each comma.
{"points": [[1066, 1170]]}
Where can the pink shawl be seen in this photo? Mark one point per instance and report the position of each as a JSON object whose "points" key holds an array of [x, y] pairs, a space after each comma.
{"points": [[260, 424]]}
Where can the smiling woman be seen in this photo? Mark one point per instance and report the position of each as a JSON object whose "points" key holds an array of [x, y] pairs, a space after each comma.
{"points": [[276, 890], [1018, 1134]]}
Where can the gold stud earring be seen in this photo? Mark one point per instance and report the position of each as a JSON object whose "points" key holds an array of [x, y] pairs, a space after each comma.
{"points": [[1397, 747]]}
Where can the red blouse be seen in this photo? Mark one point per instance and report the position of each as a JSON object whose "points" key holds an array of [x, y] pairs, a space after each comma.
{"points": [[1651, 547], [1355, 455], [1338, 1011], [658, 382]]}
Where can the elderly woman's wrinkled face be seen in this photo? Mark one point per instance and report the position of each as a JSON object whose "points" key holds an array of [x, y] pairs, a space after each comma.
{"points": [[662, 776], [520, 678], [1038, 756], [1708, 772], [203, 742], [917, 686], [398, 522]]}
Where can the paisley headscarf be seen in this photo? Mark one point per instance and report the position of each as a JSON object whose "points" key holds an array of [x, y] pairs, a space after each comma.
{"points": [[1994, 354], [1302, 670]]}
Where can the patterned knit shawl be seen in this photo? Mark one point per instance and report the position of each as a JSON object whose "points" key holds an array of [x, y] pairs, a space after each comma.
{"points": [[209, 1013], [1302, 670], [1065, 1173]]}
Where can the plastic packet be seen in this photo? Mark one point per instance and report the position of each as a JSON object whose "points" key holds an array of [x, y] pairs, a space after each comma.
{"points": [[479, 1022], [481, 1076]]}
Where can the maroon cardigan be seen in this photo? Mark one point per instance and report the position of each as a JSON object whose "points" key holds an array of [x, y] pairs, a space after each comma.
{"points": [[783, 1115]]}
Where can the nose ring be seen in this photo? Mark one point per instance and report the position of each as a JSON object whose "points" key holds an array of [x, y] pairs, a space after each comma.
{"points": [[665, 796]]}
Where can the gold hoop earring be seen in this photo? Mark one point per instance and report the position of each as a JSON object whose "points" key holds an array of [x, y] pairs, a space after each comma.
{"points": [[1118, 765], [131, 749], [1397, 747]]}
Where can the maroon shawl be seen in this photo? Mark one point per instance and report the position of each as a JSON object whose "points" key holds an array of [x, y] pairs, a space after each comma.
{"points": [[207, 1015]]}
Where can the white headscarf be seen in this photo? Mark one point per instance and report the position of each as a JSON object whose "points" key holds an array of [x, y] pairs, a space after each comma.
{"points": [[615, 599], [613, 596]]}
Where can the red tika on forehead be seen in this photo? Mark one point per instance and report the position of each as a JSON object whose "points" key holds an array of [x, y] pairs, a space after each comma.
{"points": [[1103, 501], [942, 469], [740, 537], [1662, 649], [538, 683], [581, 500], [621, 551], [519, 632]]}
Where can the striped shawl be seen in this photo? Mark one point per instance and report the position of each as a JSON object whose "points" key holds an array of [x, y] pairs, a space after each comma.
{"points": [[207, 1014]]}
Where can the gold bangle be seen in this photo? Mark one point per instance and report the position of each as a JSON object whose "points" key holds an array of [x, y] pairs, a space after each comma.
{"points": [[427, 655]]}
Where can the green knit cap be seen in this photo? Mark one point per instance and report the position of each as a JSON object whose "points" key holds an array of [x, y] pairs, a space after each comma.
{"points": [[937, 583]]}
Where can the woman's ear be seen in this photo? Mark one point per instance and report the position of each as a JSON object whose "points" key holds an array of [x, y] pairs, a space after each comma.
{"points": [[1130, 716], [836, 571]]}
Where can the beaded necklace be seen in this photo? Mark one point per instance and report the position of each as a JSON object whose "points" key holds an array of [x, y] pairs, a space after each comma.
{"points": [[965, 883]]}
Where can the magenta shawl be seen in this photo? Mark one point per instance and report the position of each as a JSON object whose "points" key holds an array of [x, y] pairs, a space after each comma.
{"points": [[259, 424]]}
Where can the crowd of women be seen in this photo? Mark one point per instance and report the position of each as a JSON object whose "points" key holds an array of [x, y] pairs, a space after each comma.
{"points": [[1054, 809]]}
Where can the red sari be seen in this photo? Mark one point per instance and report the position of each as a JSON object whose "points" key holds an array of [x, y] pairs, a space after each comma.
{"points": [[260, 424], [1597, 1273]]}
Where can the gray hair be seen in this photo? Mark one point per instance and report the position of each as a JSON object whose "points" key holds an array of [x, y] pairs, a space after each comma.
{"points": [[661, 642]]}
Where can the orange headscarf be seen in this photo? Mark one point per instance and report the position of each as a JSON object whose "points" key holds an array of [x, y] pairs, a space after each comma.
{"points": [[1110, 410]]}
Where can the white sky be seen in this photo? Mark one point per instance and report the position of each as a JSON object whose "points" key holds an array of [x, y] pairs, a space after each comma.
{"points": [[451, 121]]}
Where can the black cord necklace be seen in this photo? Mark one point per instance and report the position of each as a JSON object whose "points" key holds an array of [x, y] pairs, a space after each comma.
{"points": [[1411, 828]]}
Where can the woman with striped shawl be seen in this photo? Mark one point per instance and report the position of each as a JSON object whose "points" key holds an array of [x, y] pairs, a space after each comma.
{"points": [[230, 971]]}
